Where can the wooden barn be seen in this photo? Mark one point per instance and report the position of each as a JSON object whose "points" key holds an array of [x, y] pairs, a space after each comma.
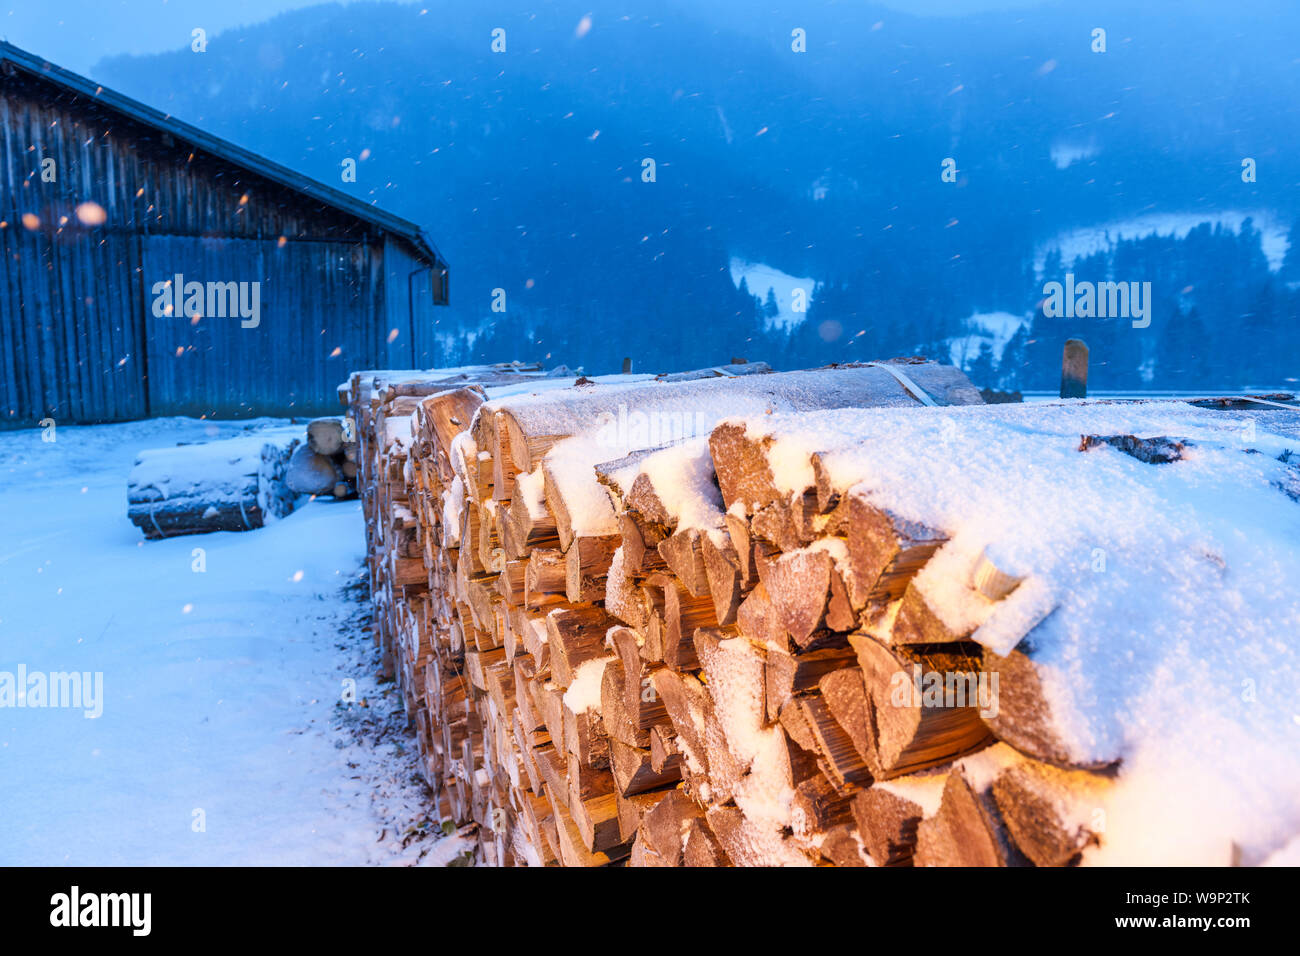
{"points": [[148, 268]]}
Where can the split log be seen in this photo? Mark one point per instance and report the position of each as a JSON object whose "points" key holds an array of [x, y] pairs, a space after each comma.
{"points": [[819, 806], [634, 773], [640, 701], [586, 564], [722, 573], [664, 755], [640, 542], [925, 705], [808, 595], [991, 580], [623, 597], [684, 700], [757, 619], [747, 844], [620, 724], [575, 635], [683, 615], [885, 552], [593, 806], [701, 847], [1050, 814], [917, 623], [845, 695], [841, 846], [547, 578], [887, 824], [632, 812], [584, 726], [578, 503], [791, 674], [964, 832], [809, 722], [665, 827], [682, 552], [1024, 718]]}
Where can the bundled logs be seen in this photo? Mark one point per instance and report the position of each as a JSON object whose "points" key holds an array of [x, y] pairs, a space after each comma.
{"points": [[624, 639], [232, 485], [327, 463]]}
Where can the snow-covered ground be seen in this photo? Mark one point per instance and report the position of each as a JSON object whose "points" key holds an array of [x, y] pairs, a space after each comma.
{"points": [[223, 738]]}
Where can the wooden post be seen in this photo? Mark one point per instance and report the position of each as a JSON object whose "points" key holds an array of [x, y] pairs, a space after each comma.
{"points": [[1074, 369]]}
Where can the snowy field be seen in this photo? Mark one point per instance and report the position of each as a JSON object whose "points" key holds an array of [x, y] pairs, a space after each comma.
{"points": [[222, 739]]}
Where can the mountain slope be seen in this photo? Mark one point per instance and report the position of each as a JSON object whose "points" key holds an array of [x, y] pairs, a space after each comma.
{"points": [[526, 166]]}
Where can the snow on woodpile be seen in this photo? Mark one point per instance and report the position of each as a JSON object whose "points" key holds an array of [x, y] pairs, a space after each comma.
{"points": [[1156, 606], [566, 553], [690, 496], [806, 618], [568, 432], [626, 417]]}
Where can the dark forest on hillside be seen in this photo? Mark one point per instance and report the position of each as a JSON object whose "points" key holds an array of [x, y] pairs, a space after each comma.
{"points": [[527, 167]]}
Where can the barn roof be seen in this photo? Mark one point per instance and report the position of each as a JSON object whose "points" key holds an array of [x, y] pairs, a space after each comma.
{"points": [[42, 69]]}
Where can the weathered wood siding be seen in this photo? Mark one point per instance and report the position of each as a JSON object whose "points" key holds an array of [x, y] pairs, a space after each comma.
{"points": [[78, 338], [409, 299]]}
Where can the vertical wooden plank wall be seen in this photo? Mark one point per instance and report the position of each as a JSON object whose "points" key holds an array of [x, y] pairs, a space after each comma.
{"points": [[78, 340]]}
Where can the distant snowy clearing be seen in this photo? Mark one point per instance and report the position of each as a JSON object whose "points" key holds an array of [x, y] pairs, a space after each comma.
{"points": [[996, 329], [1083, 242], [759, 278]]}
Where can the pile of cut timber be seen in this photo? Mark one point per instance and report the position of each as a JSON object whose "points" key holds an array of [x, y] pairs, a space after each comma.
{"points": [[621, 646], [236, 484], [404, 423], [808, 618]]}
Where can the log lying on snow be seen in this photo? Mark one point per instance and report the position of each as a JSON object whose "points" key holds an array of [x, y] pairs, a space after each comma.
{"points": [[236, 484], [711, 653]]}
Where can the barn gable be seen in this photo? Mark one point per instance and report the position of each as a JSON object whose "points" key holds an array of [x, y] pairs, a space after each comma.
{"points": [[108, 206]]}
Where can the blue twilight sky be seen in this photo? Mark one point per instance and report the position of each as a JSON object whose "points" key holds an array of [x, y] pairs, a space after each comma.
{"points": [[77, 33]]}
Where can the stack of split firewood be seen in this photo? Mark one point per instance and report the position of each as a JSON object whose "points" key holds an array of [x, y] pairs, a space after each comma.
{"points": [[623, 639]]}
